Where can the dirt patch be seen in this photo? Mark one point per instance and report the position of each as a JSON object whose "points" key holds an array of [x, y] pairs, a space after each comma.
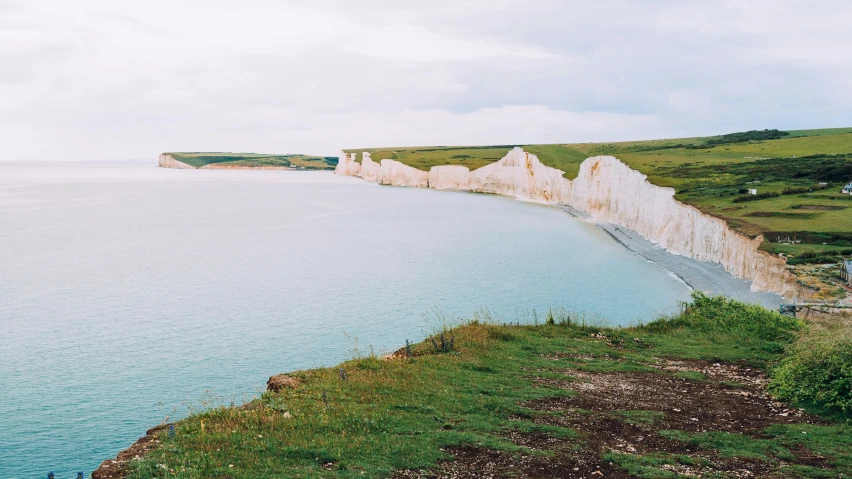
{"points": [[731, 398], [480, 463], [622, 415]]}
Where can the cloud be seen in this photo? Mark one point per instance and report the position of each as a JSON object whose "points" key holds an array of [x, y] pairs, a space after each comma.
{"points": [[96, 79]]}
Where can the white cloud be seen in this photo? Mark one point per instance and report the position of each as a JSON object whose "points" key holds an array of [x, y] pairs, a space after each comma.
{"points": [[103, 79]]}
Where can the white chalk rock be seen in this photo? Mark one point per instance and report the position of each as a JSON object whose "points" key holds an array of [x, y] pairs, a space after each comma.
{"points": [[611, 191], [168, 161], [449, 177], [346, 165], [397, 174], [370, 170], [520, 175]]}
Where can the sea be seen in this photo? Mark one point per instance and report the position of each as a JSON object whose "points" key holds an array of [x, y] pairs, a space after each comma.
{"points": [[131, 295]]}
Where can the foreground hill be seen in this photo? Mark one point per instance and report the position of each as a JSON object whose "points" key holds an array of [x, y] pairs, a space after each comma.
{"points": [[698, 394], [797, 176]]}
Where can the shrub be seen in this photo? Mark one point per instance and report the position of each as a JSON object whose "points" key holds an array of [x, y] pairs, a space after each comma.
{"points": [[790, 190], [817, 372], [719, 315], [759, 196], [818, 257]]}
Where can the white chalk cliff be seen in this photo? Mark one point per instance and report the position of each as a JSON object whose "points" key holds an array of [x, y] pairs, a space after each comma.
{"points": [[609, 191], [168, 161]]}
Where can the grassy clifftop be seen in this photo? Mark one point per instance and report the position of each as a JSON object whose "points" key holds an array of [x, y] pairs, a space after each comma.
{"points": [[256, 160], [685, 395], [787, 168]]}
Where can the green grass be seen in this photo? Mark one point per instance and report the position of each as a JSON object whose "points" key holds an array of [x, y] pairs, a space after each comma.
{"points": [[402, 413], [833, 442], [691, 375], [729, 445], [651, 466], [819, 132], [640, 417], [817, 371], [199, 159]]}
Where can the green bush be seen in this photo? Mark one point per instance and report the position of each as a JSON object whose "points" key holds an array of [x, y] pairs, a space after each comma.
{"points": [[759, 196], [719, 315], [817, 372], [795, 191]]}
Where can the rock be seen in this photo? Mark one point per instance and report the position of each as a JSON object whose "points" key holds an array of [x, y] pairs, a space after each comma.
{"points": [[281, 381]]}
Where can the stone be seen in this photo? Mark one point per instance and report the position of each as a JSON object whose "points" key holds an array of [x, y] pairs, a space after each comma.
{"points": [[281, 381]]}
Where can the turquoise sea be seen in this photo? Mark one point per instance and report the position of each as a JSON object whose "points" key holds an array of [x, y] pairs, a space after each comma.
{"points": [[130, 294]]}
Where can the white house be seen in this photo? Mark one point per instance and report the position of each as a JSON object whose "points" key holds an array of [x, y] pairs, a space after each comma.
{"points": [[846, 271], [752, 191], [847, 190]]}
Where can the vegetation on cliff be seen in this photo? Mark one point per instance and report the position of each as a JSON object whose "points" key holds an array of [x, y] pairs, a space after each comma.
{"points": [[684, 395], [199, 159]]}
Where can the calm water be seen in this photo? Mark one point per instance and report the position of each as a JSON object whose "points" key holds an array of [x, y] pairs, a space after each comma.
{"points": [[127, 292]]}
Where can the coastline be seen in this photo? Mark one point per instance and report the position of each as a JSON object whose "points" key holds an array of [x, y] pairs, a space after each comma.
{"points": [[698, 275], [705, 276], [608, 191]]}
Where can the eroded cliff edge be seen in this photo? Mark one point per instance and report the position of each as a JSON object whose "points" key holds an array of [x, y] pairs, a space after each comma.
{"points": [[609, 191]]}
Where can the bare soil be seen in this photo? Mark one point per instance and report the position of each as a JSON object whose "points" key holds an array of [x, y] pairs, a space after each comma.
{"points": [[603, 411]]}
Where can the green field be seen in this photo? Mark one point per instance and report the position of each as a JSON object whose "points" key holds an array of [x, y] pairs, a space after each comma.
{"points": [[713, 174], [684, 394], [307, 162]]}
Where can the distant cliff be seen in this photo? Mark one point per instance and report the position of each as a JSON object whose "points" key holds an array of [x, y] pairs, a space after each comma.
{"points": [[246, 161], [608, 190], [168, 161]]}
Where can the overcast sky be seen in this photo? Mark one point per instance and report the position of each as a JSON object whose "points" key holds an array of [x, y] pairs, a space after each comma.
{"points": [[92, 79]]}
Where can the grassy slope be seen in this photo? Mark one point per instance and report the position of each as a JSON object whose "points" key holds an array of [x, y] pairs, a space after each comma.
{"points": [[256, 159], [710, 178], [389, 415]]}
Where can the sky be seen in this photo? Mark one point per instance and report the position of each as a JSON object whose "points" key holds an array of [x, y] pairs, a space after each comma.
{"points": [[93, 79]]}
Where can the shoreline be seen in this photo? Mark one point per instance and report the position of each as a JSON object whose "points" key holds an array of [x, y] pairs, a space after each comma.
{"points": [[705, 276]]}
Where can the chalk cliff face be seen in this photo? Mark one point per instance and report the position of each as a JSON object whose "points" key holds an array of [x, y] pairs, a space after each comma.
{"points": [[520, 175], [167, 161], [449, 177], [398, 174], [388, 172], [609, 191]]}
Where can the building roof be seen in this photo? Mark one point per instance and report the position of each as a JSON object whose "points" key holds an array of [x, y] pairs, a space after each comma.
{"points": [[848, 265]]}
